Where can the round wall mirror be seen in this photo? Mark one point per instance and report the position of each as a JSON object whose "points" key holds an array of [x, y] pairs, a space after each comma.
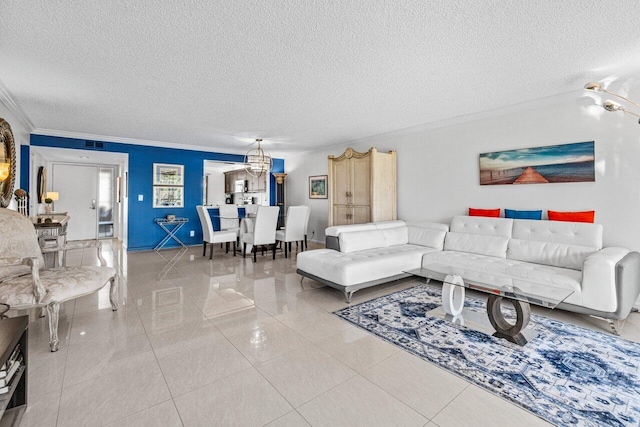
{"points": [[7, 163]]}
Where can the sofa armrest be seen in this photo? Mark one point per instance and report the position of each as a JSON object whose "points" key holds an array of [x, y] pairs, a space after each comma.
{"points": [[599, 279]]}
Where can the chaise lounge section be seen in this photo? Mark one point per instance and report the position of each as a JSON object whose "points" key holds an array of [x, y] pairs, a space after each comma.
{"points": [[370, 254]]}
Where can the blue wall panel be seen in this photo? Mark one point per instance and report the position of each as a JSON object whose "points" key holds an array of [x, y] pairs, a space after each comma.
{"points": [[143, 232], [24, 167]]}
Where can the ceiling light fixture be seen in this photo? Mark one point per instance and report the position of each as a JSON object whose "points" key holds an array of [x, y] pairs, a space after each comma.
{"points": [[611, 105], [257, 161]]}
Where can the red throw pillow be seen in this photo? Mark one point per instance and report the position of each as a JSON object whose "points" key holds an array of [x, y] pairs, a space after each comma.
{"points": [[495, 213], [586, 216]]}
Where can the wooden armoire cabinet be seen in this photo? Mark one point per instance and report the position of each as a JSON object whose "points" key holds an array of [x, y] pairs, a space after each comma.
{"points": [[362, 187]]}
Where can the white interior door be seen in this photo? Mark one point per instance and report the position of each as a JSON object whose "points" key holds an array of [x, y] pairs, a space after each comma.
{"points": [[77, 187]]}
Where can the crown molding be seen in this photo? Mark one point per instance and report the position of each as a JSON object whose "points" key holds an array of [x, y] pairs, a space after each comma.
{"points": [[133, 141], [463, 119], [9, 101]]}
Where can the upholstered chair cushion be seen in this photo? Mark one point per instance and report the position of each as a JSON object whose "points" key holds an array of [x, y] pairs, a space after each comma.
{"points": [[62, 284], [18, 239]]}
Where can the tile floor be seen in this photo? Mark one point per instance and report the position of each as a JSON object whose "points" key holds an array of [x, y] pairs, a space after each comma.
{"points": [[229, 342]]}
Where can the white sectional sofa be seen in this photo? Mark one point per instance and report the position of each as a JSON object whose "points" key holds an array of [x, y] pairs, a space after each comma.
{"points": [[605, 281], [370, 254]]}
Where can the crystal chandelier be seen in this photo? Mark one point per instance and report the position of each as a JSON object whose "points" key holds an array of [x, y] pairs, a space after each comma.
{"points": [[257, 161]]}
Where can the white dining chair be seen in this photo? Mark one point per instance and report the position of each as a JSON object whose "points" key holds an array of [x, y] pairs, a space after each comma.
{"points": [[210, 236], [264, 231], [294, 229], [251, 209], [306, 228], [229, 218]]}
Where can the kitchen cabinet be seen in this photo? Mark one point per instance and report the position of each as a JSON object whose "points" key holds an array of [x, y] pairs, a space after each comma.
{"points": [[362, 187]]}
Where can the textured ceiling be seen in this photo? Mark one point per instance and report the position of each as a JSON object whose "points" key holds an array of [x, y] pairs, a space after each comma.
{"points": [[308, 73]]}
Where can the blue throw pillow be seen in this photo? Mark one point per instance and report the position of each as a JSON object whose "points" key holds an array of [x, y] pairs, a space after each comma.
{"points": [[510, 213]]}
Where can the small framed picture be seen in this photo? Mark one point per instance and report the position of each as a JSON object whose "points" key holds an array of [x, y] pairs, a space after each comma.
{"points": [[318, 187], [164, 174], [168, 197]]}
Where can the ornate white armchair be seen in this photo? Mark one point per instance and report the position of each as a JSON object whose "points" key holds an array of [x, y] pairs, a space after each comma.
{"points": [[24, 283]]}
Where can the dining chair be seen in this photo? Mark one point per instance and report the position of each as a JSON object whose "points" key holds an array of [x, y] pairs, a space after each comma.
{"points": [[306, 228], [251, 209], [229, 218], [264, 231], [294, 229], [25, 283], [210, 236]]}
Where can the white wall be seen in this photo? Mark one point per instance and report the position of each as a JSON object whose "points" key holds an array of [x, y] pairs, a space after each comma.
{"points": [[438, 172], [21, 137], [216, 195]]}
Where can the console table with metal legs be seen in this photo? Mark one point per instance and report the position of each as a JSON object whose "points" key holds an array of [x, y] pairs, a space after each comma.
{"points": [[171, 227]]}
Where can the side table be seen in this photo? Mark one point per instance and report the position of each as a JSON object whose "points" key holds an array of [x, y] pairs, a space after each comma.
{"points": [[171, 227]]}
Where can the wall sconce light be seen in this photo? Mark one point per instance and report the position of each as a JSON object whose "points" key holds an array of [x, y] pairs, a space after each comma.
{"points": [[612, 105]]}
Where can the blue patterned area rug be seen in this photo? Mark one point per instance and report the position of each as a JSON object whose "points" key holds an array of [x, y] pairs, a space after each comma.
{"points": [[566, 375]]}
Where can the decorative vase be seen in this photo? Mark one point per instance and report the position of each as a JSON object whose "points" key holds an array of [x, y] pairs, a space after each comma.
{"points": [[47, 209]]}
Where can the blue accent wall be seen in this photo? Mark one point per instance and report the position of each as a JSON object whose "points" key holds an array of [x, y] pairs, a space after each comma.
{"points": [[143, 232], [24, 167]]}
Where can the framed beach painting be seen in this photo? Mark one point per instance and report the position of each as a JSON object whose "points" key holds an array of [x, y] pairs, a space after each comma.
{"points": [[540, 165], [168, 197], [318, 187], [165, 174]]}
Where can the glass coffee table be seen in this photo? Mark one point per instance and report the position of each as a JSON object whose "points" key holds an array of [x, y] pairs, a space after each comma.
{"points": [[519, 292]]}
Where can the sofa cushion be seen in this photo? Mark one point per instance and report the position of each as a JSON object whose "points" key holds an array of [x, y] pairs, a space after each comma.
{"points": [[481, 225], [568, 233], [428, 224], [555, 254], [426, 237], [361, 240], [494, 213], [476, 262], [585, 216], [476, 243], [337, 229], [353, 268], [396, 236], [381, 225], [511, 213]]}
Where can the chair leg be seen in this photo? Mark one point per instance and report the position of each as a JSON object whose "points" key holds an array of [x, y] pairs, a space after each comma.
{"points": [[286, 252], [289, 246], [211, 253], [274, 251], [53, 308], [113, 293], [306, 245], [204, 250], [302, 246], [234, 248], [255, 253], [226, 248], [244, 250]]}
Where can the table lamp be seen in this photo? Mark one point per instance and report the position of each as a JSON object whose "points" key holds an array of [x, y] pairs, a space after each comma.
{"points": [[52, 196]]}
